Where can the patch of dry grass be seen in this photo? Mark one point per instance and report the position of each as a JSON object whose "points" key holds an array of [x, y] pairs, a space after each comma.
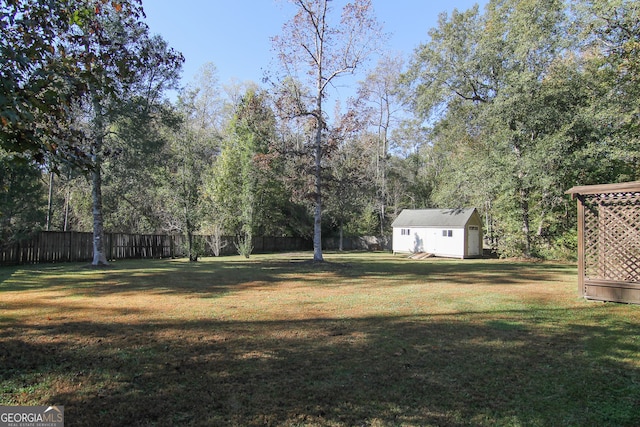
{"points": [[365, 339]]}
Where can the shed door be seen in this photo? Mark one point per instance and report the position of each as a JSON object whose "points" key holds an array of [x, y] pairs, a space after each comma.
{"points": [[474, 241]]}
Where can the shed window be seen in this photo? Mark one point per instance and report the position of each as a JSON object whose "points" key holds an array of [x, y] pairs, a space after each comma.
{"points": [[447, 233], [405, 232]]}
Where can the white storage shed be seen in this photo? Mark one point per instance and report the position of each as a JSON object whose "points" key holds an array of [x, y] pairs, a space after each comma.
{"points": [[453, 233]]}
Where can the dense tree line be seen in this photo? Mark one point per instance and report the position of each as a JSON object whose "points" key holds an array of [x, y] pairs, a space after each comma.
{"points": [[526, 100], [503, 109]]}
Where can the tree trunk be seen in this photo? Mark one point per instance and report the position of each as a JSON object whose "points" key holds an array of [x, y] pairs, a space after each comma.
{"points": [[385, 122], [526, 229], [99, 256], [193, 257], [317, 218], [50, 202], [67, 201], [523, 193]]}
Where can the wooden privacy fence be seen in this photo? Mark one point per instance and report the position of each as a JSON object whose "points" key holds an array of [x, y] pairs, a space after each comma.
{"points": [[71, 246], [358, 243]]}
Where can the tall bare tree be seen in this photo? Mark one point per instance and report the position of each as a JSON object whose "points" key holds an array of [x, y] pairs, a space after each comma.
{"points": [[325, 46]]}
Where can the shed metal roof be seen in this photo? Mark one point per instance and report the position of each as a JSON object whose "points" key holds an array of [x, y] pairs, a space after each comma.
{"points": [[433, 217]]}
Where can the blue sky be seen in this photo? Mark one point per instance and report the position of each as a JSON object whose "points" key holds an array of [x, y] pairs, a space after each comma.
{"points": [[235, 34]]}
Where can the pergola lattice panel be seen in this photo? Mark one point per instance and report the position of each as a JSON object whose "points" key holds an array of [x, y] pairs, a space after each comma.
{"points": [[609, 241]]}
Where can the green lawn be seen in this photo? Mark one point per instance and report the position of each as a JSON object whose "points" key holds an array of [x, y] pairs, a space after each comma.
{"points": [[362, 340]]}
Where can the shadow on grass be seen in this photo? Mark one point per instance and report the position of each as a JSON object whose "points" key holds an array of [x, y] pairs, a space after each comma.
{"points": [[221, 276], [418, 370], [160, 276], [481, 271]]}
